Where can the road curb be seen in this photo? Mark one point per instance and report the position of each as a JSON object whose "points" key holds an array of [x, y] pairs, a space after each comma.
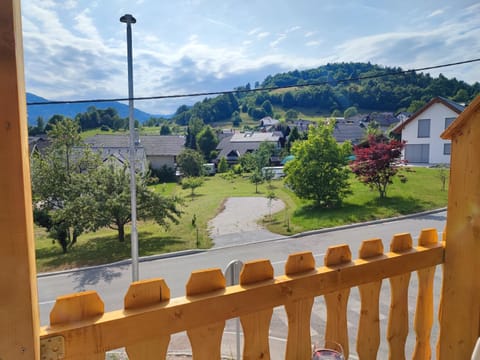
{"points": [[124, 262], [366, 223]]}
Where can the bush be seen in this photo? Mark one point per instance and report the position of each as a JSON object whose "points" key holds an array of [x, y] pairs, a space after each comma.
{"points": [[164, 174]]}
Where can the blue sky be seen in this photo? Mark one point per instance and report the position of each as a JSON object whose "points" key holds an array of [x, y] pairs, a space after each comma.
{"points": [[76, 49]]}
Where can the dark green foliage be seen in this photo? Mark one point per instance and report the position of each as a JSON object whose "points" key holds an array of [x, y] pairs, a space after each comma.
{"points": [[165, 130], [291, 115], [94, 118], [207, 141], [190, 162], [318, 172], [351, 111], [165, 174], [222, 165], [212, 110]]}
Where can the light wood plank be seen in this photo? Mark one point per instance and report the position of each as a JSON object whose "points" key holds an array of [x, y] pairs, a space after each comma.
{"points": [[299, 311], [336, 302], [397, 330], [142, 294], [179, 314], [424, 312], [77, 308], [256, 326], [206, 340], [368, 336], [460, 318], [19, 324]]}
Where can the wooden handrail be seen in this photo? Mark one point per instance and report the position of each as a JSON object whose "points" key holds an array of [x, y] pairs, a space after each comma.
{"points": [[209, 303]]}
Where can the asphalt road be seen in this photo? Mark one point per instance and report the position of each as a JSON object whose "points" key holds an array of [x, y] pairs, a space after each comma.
{"points": [[112, 281]]}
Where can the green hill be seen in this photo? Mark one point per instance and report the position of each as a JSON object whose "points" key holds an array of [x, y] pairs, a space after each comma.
{"points": [[336, 88]]}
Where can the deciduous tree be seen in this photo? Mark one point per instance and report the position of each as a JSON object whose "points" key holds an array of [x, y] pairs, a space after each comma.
{"points": [[377, 162], [191, 162], [319, 172]]}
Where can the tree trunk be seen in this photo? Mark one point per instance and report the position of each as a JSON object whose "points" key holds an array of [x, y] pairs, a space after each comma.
{"points": [[121, 233]]}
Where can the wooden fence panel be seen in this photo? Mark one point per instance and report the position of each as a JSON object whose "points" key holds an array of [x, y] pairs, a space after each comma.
{"points": [[206, 340], [85, 330], [79, 307], [336, 302], [299, 311], [424, 312], [397, 330], [142, 294], [368, 336], [256, 325]]}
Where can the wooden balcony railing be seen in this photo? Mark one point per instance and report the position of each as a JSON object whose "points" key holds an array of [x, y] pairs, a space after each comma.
{"points": [[79, 329]]}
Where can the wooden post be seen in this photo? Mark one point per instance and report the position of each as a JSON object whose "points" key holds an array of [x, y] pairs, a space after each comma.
{"points": [[19, 322], [460, 309]]}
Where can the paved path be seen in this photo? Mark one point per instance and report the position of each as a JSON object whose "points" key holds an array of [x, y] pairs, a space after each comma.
{"points": [[239, 222]]}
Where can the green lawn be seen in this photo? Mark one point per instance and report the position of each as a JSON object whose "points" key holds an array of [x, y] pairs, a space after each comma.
{"points": [[422, 191]]}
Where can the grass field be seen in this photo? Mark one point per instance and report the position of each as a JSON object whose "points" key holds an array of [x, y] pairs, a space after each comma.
{"points": [[421, 192]]}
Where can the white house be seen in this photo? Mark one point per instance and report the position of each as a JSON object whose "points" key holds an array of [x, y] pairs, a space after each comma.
{"points": [[421, 132]]}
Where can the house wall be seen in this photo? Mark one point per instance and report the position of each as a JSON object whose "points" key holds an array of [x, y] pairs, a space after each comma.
{"points": [[437, 113], [157, 161]]}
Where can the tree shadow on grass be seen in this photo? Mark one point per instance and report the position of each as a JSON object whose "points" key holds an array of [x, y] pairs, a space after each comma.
{"points": [[104, 250]]}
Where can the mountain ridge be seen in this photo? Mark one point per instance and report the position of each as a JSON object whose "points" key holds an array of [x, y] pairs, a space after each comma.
{"points": [[72, 109]]}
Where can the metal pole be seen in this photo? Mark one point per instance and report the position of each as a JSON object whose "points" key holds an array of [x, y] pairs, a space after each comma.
{"points": [[129, 19], [232, 277]]}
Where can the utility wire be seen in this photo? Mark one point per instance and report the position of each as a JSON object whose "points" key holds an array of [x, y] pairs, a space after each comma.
{"points": [[209, 93]]}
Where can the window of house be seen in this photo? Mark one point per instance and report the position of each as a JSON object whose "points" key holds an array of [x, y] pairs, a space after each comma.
{"points": [[448, 121], [424, 128], [447, 148]]}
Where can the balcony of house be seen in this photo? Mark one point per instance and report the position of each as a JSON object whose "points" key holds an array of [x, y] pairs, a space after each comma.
{"points": [[80, 329]]}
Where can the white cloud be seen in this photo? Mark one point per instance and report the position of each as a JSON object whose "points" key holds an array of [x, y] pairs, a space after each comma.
{"points": [[69, 4], [84, 25], [436, 13], [263, 35], [292, 29], [310, 33], [278, 40], [254, 31], [313, 43]]}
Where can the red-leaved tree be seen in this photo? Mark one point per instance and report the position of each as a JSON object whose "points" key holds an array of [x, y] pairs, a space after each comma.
{"points": [[377, 162]]}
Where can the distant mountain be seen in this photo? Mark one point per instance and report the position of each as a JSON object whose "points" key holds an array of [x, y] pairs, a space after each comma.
{"points": [[70, 110]]}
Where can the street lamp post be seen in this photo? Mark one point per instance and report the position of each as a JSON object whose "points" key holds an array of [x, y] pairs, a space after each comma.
{"points": [[129, 19]]}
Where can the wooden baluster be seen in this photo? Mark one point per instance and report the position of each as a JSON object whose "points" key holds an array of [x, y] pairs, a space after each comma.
{"points": [[440, 302], [424, 312], [141, 294], [206, 340], [299, 312], [368, 337], [256, 326], [336, 303], [81, 306], [398, 320]]}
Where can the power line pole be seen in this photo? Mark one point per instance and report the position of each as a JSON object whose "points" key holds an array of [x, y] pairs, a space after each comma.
{"points": [[129, 19]]}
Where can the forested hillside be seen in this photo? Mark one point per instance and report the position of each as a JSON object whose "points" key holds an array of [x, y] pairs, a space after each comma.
{"points": [[385, 93]]}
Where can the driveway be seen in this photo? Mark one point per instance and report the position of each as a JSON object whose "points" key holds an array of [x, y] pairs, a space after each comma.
{"points": [[240, 221]]}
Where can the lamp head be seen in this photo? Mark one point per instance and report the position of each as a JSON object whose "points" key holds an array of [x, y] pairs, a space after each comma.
{"points": [[128, 18]]}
